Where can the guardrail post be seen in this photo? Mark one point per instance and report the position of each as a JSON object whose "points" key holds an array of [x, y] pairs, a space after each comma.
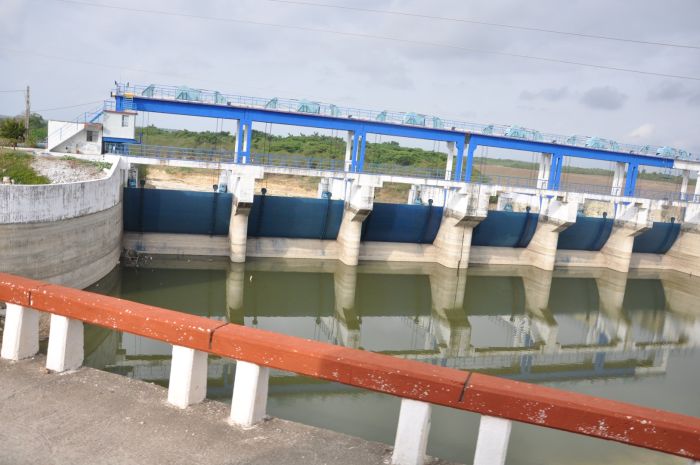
{"points": [[188, 377], [20, 338], [412, 433], [492, 443], [249, 403], [65, 350]]}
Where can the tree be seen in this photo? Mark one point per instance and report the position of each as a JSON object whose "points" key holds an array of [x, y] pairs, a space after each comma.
{"points": [[13, 130]]}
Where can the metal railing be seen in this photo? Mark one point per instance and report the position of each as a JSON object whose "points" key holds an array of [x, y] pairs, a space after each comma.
{"points": [[419, 385], [402, 118], [338, 166]]}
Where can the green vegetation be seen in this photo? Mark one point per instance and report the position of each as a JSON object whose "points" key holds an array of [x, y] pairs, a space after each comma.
{"points": [[18, 166], [79, 161], [314, 145], [38, 130], [12, 130]]}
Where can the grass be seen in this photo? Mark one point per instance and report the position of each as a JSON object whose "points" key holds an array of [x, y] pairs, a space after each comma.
{"points": [[18, 166]]}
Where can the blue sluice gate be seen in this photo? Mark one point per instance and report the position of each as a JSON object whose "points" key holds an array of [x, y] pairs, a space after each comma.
{"points": [[659, 239], [295, 217], [505, 229], [178, 212], [588, 233], [389, 222]]}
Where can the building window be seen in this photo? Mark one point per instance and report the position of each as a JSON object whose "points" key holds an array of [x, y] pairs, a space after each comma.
{"points": [[125, 121], [91, 136]]}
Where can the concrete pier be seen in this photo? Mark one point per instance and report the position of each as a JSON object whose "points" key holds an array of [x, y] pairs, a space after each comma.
{"points": [[465, 209], [243, 190], [358, 205]]}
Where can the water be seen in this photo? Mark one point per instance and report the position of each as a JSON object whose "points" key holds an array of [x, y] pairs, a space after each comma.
{"points": [[631, 338]]}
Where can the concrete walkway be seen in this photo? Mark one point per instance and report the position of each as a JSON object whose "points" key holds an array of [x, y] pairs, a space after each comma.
{"points": [[90, 417]]}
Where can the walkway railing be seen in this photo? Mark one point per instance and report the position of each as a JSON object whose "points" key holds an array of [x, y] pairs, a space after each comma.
{"points": [[420, 385], [211, 97], [338, 165]]}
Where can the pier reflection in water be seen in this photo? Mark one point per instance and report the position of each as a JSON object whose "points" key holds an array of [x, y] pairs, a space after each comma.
{"points": [[632, 338]]}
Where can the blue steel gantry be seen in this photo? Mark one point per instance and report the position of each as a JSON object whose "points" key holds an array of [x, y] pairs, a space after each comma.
{"points": [[359, 123]]}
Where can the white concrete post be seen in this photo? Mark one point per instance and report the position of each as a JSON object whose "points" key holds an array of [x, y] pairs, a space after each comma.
{"points": [[492, 443], [65, 350], [684, 184], [697, 188], [618, 183], [20, 338], [188, 377], [544, 169], [249, 403], [412, 433], [237, 132], [450, 157], [348, 149]]}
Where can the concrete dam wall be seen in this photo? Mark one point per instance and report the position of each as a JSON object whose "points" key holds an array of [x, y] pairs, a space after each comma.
{"points": [[68, 234], [197, 223]]}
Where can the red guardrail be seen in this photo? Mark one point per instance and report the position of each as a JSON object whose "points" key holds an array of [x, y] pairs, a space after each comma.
{"points": [[528, 403]]}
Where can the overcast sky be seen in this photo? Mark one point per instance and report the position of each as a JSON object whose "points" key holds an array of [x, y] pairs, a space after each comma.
{"points": [[102, 45]]}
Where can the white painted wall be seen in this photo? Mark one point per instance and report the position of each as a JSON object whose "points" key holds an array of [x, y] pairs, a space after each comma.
{"points": [[70, 137], [113, 126], [54, 202]]}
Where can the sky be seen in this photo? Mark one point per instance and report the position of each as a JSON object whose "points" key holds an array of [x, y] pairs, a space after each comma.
{"points": [[71, 52]]}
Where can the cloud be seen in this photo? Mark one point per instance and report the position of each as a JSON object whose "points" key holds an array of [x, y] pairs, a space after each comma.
{"points": [[550, 94], [668, 91], [642, 132], [604, 98]]}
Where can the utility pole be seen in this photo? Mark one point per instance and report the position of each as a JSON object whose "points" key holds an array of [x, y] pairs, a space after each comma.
{"points": [[26, 112]]}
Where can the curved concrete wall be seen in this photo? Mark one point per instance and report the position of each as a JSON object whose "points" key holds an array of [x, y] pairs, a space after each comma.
{"points": [[68, 234]]}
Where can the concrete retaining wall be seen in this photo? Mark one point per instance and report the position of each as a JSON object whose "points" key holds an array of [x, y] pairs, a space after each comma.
{"points": [[68, 234]]}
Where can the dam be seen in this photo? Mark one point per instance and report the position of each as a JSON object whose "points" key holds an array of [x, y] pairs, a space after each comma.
{"points": [[586, 288]]}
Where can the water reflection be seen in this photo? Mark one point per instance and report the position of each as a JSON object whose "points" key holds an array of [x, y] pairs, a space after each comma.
{"points": [[520, 323]]}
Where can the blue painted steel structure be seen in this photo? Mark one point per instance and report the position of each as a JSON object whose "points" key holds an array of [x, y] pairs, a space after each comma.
{"points": [[659, 239], [588, 233], [390, 222], [295, 218], [248, 110], [178, 212], [558, 153], [505, 229]]}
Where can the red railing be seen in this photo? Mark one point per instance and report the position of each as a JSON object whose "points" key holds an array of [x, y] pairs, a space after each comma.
{"points": [[490, 396]]}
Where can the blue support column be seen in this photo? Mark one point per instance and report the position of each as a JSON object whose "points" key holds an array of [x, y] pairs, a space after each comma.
{"points": [[470, 162], [239, 141], [354, 151], [631, 179], [248, 140], [119, 103], [459, 153], [363, 144], [555, 171]]}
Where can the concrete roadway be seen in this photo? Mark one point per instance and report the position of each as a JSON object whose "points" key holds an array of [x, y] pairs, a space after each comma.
{"points": [[94, 417]]}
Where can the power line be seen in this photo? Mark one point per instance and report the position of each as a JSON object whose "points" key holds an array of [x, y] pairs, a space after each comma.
{"points": [[483, 23], [71, 106], [380, 37], [12, 91]]}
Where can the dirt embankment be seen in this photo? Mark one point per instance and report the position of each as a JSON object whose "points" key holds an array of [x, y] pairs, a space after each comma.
{"points": [[298, 186]]}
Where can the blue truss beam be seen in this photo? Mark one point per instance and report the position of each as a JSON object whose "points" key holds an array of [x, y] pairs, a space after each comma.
{"points": [[361, 128]]}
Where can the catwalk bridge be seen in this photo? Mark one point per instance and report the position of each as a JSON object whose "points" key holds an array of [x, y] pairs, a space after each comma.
{"points": [[462, 138]]}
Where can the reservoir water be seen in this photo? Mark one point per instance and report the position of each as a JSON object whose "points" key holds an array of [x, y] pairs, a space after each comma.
{"points": [[626, 337]]}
